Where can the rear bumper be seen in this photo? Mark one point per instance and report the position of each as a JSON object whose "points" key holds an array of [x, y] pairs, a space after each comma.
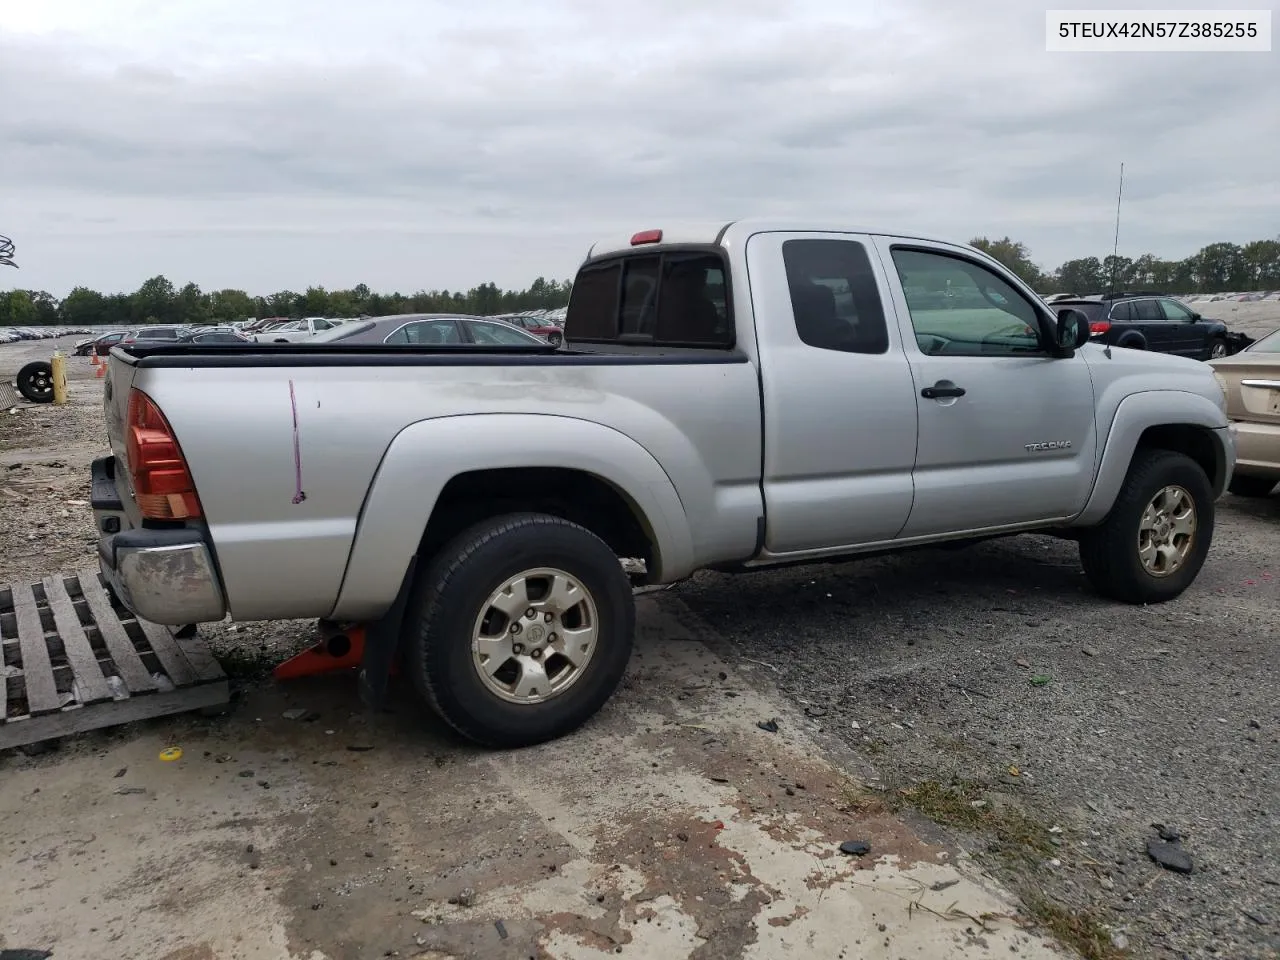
{"points": [[165, 576], [1257, 449]]}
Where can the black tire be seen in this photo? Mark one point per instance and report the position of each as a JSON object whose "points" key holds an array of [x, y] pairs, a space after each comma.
{"points": [[1109, 551], [1218, 348], [452, 592], [1132, 343], [555, 339], [35, 381], [1243, 486]]}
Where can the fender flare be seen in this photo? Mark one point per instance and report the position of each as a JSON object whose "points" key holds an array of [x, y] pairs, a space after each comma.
{"points": [[1132, 341], [416, 467], [1134, 415]]}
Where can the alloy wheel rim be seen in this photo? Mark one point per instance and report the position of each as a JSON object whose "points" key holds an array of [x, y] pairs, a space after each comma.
{"points": [[1167, 531], [535, 636]]}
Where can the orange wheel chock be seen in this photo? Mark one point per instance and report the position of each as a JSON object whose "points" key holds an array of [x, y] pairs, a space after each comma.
{"points": [[340, 651]]}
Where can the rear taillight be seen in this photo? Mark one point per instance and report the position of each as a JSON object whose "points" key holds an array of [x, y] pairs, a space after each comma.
{"points": [[162, 483], [1098, 327]]}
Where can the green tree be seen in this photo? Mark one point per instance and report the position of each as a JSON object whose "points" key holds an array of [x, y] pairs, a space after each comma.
{"points": [[1082, 276], [314, 303], [155, 302], [1262, 260], [1013, 255], [1117, 272], [1220, 267], [46, 307], [82, 307], [17, 310], [193, 305], [228, 305]]}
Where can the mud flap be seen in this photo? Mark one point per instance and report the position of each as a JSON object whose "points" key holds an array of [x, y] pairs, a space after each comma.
{"points": [[382, 643]]}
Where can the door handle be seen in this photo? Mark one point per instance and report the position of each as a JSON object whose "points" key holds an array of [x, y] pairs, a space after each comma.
{"points": [[942, 390]]}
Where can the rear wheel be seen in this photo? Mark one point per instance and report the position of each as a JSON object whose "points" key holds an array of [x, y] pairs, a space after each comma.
{"points": [[1217, 348], [35, 382], [520, 629], [1154, 541], [1243, 486], [555, 339]]}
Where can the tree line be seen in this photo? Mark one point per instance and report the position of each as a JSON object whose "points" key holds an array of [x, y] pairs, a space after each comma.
{"points": [[159, 301], [1216, 268]]}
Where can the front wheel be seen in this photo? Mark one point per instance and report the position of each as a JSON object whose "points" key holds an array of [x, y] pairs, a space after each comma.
{"points": [[1154, 541], [1217, 348], [555, 339], [520, 629]]}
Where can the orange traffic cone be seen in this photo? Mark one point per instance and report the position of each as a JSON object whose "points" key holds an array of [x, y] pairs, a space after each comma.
{"points": [[93, 359], [102, 371]]}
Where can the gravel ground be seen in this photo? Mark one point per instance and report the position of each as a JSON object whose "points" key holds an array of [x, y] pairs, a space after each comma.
{"points": [[923, 666], [993, 669]]}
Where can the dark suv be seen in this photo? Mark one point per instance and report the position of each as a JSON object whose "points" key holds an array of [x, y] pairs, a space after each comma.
{"points": [[1150, 321]]}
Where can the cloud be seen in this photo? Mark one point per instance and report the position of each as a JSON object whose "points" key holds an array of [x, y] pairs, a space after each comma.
{"points": [[417, 144]]}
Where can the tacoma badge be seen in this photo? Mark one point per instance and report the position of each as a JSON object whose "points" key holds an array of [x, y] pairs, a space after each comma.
{"points": [[1048, 445]]}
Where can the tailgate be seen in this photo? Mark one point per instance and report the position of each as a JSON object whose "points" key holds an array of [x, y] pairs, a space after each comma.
{"points": [[121, 369]]}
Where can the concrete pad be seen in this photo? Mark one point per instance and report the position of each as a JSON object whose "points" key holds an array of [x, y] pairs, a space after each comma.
{"points": [[671, 827]]}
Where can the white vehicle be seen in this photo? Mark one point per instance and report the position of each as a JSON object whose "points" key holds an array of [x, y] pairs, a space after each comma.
{"points": [[297, 331]]}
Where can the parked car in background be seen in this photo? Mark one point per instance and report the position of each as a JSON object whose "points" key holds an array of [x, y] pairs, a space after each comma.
{"points": [[1151, 321], [1251, 381], [157, 334], [218, 335], [295, 332], [734, 397], [430, 329], [538, 326], [100, 345]]}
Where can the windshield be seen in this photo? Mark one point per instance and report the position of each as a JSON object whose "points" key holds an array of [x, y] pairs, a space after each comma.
{"points": [[1268, 344], [341, 332]]}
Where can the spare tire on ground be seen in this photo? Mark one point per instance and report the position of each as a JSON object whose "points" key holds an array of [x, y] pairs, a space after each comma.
{"points": [[35, 381]]}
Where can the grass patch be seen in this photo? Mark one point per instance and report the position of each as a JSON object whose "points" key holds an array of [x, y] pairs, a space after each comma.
{"points": [[954, 806], [1083, 932]]}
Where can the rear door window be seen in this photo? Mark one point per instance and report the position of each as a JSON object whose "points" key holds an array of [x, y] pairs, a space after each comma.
{"points": [[426, 333], [1147, 311], [676, 298]]}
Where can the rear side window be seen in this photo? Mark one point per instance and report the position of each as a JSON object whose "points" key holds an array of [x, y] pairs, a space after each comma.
{"points": [[834, 296], [678, 298], [1122, 313]]}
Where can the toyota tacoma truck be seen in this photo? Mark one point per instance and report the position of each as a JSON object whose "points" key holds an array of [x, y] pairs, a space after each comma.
{"points": [[733, 398]]}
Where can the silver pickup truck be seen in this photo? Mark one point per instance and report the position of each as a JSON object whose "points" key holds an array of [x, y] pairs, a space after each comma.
{"points": [[737, 397]]}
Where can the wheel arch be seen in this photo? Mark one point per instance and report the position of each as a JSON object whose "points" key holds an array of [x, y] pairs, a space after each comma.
{"points": [[576, 469], [1183, 422]]}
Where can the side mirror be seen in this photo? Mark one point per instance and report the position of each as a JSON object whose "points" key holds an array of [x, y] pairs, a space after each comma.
{"points": [[1072, 330]]}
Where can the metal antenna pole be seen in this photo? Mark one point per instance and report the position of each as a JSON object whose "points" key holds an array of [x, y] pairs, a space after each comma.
{"points": [[1115, 250]]}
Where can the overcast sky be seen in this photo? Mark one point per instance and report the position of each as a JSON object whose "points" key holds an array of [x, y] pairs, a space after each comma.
{"points": [[268, 144]]}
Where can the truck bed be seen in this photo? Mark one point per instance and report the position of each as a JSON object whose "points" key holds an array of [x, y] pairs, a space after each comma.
{"points": [[318, 465]]}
